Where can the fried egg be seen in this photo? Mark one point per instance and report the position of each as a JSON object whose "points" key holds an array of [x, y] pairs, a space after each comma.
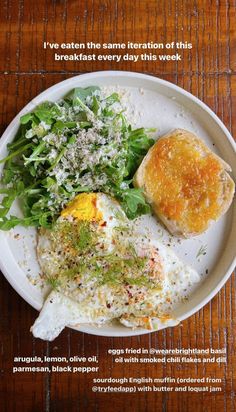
{"points": [[95, 211], [116, 275]]}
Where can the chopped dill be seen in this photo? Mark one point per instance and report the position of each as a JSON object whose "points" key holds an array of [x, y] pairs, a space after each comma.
{"points": [[79, 256], [202, 251], [85, 236], [53, 282], [79, 235], [139, 281]]}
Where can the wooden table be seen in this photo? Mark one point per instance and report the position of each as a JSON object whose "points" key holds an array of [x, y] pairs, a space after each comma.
{"points": [[209, 72]]}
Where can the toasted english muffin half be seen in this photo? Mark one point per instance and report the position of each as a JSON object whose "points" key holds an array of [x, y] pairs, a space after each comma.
{"points": [[186, 184]]}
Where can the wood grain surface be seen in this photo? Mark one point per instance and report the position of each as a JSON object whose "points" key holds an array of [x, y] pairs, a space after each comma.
{"points": [[209, 72]]}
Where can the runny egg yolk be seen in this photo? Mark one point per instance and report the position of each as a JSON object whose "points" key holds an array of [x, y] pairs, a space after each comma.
{"points": [[83, 207]]}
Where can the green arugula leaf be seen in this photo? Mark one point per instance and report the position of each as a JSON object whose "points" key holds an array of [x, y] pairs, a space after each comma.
{"points": [[133, 197], [60, 125], [133, 202], [82, 93], [12, 221], [95, 105], [37, 170], [113, 98], [47, 112], [26, 118]]}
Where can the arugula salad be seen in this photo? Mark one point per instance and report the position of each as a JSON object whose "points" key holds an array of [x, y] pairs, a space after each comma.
{"points": [[82, 143]]}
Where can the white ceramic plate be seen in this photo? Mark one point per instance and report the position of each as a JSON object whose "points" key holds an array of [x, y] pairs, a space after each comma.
{"points": [[152, 102]]}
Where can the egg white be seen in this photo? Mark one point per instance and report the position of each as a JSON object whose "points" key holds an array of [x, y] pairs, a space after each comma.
{"points": [[132, 305], [112, 216]]}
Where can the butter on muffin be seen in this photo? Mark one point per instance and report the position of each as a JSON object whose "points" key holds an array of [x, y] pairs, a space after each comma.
{"points": [[186, 184]]}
